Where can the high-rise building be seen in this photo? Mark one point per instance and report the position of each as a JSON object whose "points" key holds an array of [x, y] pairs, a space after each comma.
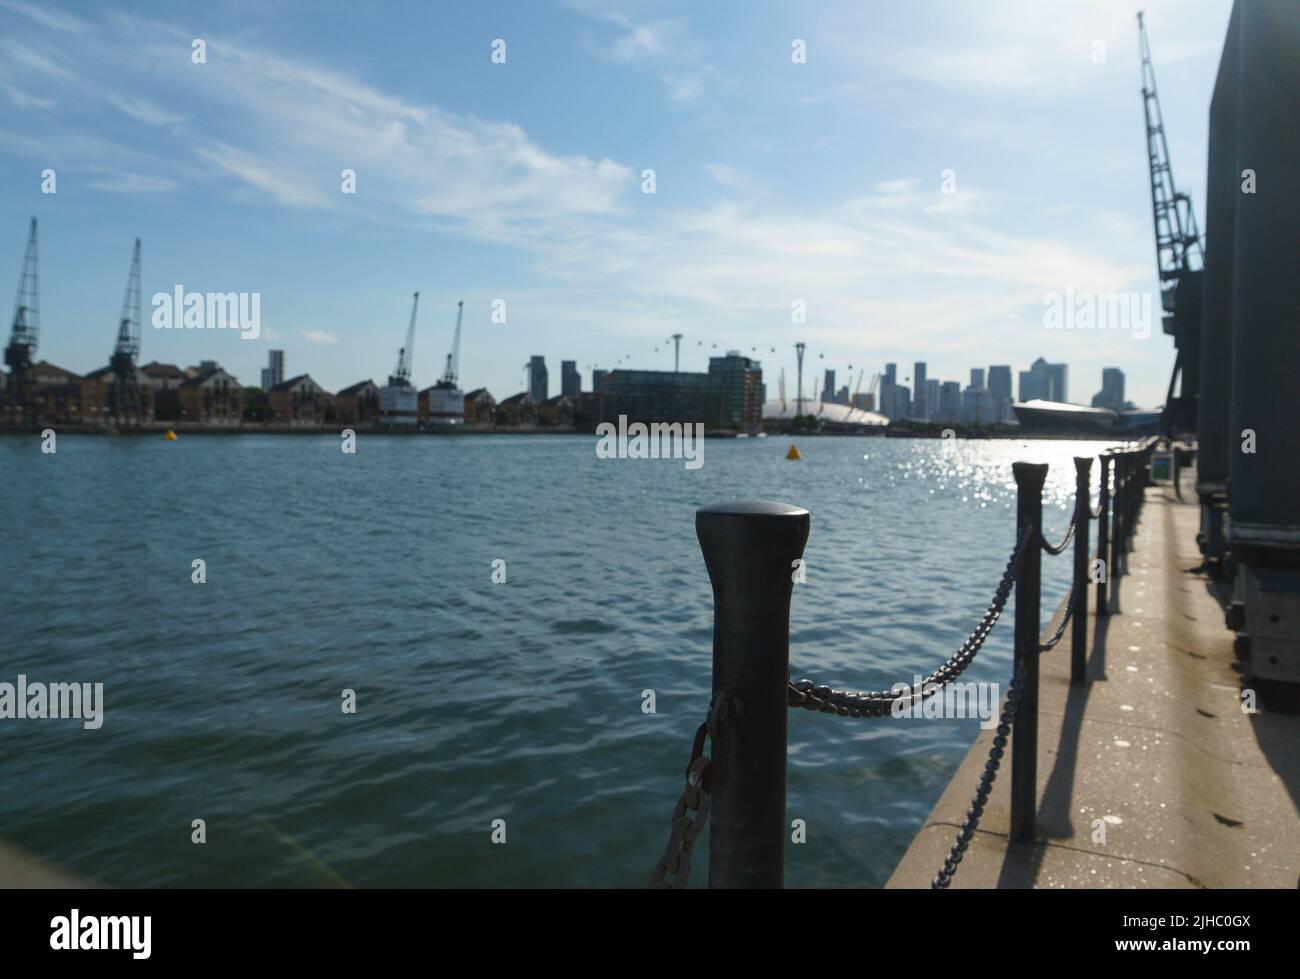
{"points": [[932, 389], [950, 402], [538, 385], [598, 380], [1043, 381], [828, 386], [1111, 394], [1000, 391], [887, 383], [977, 377], [273, 372], [920, 402], [570, 379]]}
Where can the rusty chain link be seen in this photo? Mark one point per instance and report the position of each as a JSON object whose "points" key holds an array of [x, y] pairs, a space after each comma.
{"points": [[702, 774], [878, 703]]}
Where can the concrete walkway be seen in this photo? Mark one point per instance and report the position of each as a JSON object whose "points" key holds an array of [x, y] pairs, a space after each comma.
{"points": [[1192, 790]]}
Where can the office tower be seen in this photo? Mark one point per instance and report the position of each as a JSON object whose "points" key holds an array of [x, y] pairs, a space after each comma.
{"points": [[570, 379], [273, 373], [932, 389], [1111, 394], [920, 402], [537, 380], [598, 380], [1043, 381], [949, 401], [828, 386], [977, 377], [887, 383], [1000, 391]]}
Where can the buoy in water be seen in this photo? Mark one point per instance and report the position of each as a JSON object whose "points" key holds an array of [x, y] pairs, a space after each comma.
{"points": [[793, 453], [170, 436]]}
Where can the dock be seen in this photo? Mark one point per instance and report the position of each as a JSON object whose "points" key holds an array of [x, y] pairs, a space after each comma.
{"points": [[1151, 774]]}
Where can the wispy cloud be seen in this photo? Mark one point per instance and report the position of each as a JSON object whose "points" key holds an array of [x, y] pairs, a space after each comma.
{"points": [[318, 336]]}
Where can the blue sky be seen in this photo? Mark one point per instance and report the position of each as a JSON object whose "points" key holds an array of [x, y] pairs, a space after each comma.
{"points": [[774, 181]]}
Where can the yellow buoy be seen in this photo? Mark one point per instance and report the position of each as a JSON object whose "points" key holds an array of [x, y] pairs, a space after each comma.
{"points": [[793, 453], [170, 436]]}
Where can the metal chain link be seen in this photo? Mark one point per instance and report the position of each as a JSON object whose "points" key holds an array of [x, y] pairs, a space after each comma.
{"points": [[702, 774], [1060, 629], [878, 703], [1069, 535], [972, 820]]}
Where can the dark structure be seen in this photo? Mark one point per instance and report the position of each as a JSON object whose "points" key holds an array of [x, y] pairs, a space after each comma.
{"points": [[1178, 258], [21, 351], [125, 402], [1254, 332], [728, 398]]}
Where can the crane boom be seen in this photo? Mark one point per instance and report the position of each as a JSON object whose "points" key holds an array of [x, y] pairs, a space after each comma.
{"points": [[402, 374], [453, 356], [1179, 257], [27, 311], [128, 323]]}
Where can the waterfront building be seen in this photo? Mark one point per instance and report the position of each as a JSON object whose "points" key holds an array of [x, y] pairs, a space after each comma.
{"points": [[213, 397], [517, 411], [920, 402], [828, 386], [93, 394], [359, 403], [887, 382], [556, 412], [480, 408], [598, 380], [300, 402], [1000, 391], [950, 402], [728, 397], [1043, 382], [570, 379], [537, 379], [1111, 394]]}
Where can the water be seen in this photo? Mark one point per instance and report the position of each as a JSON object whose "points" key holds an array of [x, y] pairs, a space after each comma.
{"points": [[476, 701]]}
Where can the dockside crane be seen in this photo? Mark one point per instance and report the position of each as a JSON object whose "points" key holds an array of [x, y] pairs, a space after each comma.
{"points": [[26, 331], [1179, 258], [125, 402], [401, 376], [449, 376]]}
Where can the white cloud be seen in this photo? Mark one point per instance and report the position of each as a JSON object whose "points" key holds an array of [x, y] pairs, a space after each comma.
{"points": [[318, 336], [134, 183]]}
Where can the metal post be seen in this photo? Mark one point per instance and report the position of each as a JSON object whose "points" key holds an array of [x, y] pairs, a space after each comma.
{"points": [[1116, 521], [750, 548], [1082, 518], [1103, 534], [1024, 736]]}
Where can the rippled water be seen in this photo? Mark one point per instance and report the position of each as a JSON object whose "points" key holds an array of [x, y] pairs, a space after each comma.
{"points": [[476, 701]]}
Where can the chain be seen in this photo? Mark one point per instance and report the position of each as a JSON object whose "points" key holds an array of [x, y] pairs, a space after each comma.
{"points": [[702, 774], [1060, 629], [972, 820], [878, 703], [1069, 534]]}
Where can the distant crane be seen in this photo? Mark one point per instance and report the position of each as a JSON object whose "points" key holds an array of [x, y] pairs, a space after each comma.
{"points": [[125, 402], [449, 376], [1179, 257], [401, 376], [26, 331]]}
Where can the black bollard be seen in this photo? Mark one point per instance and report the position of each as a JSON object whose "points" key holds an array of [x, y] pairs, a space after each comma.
{"points": [[1103, 534], [1024, 735], [750, 547], [1082, 518]]}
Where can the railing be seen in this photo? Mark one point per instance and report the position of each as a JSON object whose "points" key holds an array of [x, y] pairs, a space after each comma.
{"points": [[752, 550]]}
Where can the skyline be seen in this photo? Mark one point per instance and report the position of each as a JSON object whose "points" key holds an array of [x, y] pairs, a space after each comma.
{"points": [[522, 181]]}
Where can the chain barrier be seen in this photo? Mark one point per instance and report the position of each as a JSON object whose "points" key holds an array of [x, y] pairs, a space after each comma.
{"points": [[1095, 514], [1069, 535], [878, 703], [702, 774], [972, 820], [1060, 629]]}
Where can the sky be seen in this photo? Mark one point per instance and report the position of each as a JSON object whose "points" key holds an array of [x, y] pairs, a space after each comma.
{"points": [[880, 181]]}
